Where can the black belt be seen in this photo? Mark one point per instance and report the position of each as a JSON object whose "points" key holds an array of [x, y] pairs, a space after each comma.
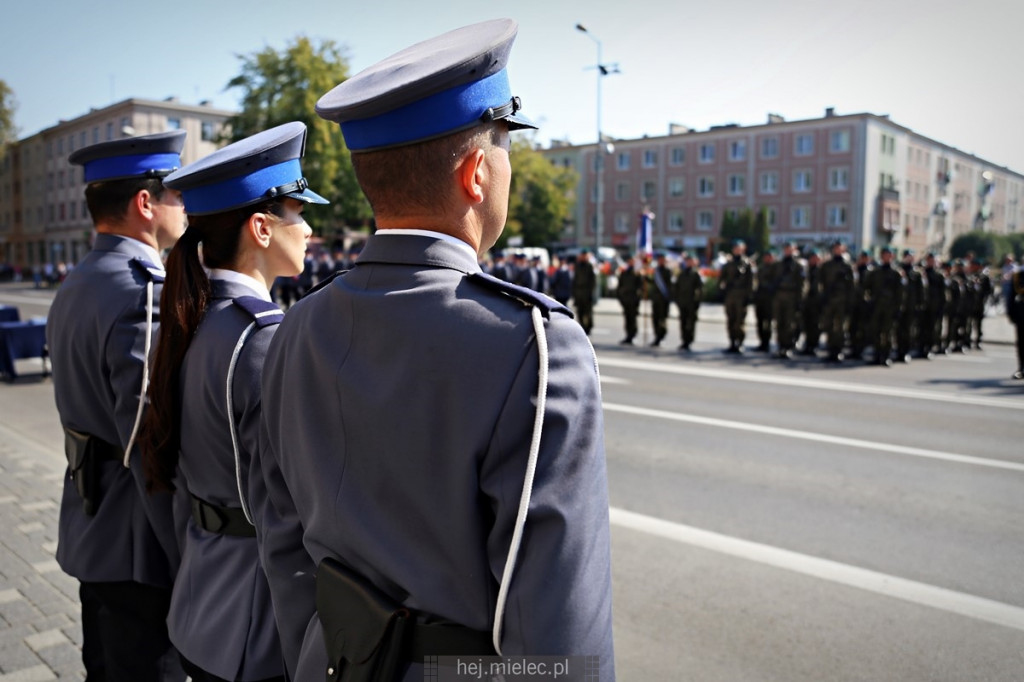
{"points": [[222, 520]]}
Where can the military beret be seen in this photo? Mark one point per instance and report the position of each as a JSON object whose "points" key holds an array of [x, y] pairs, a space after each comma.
{"points": [[146, 156], [440, 86], [738, 242], [885, 249], [258, 168], [908, 252]]}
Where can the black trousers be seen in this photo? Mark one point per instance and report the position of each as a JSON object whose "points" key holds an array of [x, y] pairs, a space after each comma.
{"points": [[199, 675], [124, 633]]}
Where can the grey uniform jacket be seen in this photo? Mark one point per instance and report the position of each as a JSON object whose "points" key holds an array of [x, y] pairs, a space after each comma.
{"points": [[398, 404], [221, 616], [96, 333]]}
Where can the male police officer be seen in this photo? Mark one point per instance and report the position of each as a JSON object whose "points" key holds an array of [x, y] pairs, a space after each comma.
{"points": [[118, 541], [404, 402]]}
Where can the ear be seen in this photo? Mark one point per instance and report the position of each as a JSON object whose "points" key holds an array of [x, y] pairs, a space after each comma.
{"points": [[258, 226], [142, 204], [472, 174]]}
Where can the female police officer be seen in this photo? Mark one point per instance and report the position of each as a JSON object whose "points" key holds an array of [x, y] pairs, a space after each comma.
{"points": [[244, 204]]}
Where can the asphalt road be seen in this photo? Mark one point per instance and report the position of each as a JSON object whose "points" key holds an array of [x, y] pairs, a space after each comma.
{"points": [[789, 521]]}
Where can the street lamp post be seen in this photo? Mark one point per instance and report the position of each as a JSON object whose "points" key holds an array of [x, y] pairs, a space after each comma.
{"points": [[599, 149]]}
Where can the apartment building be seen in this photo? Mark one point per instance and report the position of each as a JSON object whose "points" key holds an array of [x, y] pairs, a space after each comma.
{"points": [[43, 215], [860, 178]]}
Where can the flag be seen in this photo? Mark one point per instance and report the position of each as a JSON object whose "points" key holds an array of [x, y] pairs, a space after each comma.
{"points": [[643, 233]]}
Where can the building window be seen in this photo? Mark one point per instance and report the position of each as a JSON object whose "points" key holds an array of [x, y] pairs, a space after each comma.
{"points": [[802, 181], [801, 216], [738, 150], [622, 191], [60, 179], [770, 182], [769, 147], [60, 146], [676, 187], [737, 184], [837, 216], [707, 152], [96, 135], [678, 156], [649, 190], [81, 139], [705, 220], [803, 145], [839, 141], [675, 222], [888, 145], [126, 124], [839, 178], [706, 187], [621, 223], [110, 131], [650, 158], [207, 132], [622, 162], [173, 123], [773, 217]]}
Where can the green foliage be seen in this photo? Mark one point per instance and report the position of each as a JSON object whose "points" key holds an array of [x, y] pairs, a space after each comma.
{"points": [[8, 132], [750, 227], [283, 86], [987, 246], [540, 198]]}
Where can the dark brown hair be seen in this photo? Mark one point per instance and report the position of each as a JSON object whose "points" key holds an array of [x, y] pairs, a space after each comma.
{"points": [[183, 303], [108, 201]]}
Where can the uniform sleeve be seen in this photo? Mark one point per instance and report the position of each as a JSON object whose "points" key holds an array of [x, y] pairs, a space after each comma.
{"points": [[559, 600], [289, 569], [125, 355]]}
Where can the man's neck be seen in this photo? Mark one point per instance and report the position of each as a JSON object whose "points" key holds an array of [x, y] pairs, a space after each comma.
{"points": [[457, 229], [128, 231]]}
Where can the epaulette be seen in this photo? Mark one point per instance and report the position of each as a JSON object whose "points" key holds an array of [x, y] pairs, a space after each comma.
{"points": [[153, 273], [530, 297], [264, 313], [327, 280]]}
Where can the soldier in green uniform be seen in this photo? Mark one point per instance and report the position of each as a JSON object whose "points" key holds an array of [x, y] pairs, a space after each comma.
{"points": [[790, 279], [836, 295], [934, 308], [909, 325], [659, 287], [884, 287], [688, 291], [811, 309], [860, 307], [764, 298], [584, 282], [981, 287], [737, 283], [629, 293]]}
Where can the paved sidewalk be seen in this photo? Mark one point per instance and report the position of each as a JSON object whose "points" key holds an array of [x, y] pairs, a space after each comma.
{"points": [[40, 633]]}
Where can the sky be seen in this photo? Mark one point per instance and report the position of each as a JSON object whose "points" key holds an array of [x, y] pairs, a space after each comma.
{"points": [[951, 71]]}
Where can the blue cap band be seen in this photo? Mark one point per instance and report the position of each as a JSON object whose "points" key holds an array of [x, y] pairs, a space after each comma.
{"points": [[138, 165], [447, 111], [240, 191]]}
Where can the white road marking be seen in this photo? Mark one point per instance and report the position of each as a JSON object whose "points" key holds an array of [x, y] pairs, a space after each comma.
{"points": [[13, 299], [605, 379], [820, 384], [817, 437], [912, 591]]}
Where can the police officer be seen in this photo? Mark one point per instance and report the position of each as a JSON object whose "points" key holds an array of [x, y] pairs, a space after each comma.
{"points": [[629, 293], [912, 312], [764, 299], [836, 292], [659, 287], [811, 307], [120, 543], [884, 288], [244, 204], [736, 282], [561, 282], [688, 291], [433, 435], [790, 278], [934, 307]]}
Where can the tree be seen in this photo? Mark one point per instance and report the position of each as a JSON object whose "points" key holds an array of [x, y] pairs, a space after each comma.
{"points": [[746, 225], [282, 86], [540, 198], [8, 132]]}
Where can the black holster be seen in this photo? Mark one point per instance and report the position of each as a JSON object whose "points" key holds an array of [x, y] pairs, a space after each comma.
{"points": [[85, 454], [370, 637]]}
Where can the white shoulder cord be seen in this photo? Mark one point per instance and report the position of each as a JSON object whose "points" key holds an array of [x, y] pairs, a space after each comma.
{"points": [[231, 418], [145, 371], [531, 468]]}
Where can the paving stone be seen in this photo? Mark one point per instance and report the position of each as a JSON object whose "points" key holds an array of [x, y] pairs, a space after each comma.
{"points": [[9, 596], [37, 673], [46, 566], [31, 527], [47, 638], [39, 506], [16, 657]]}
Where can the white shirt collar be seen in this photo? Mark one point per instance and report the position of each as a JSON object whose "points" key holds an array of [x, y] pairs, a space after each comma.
{"points": [[436, 235], [239, 278]]}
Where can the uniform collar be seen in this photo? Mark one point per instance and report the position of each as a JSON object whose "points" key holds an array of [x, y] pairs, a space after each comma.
{"points": [[435, 235], [108, 241], [239, 278], [419, 247]]}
